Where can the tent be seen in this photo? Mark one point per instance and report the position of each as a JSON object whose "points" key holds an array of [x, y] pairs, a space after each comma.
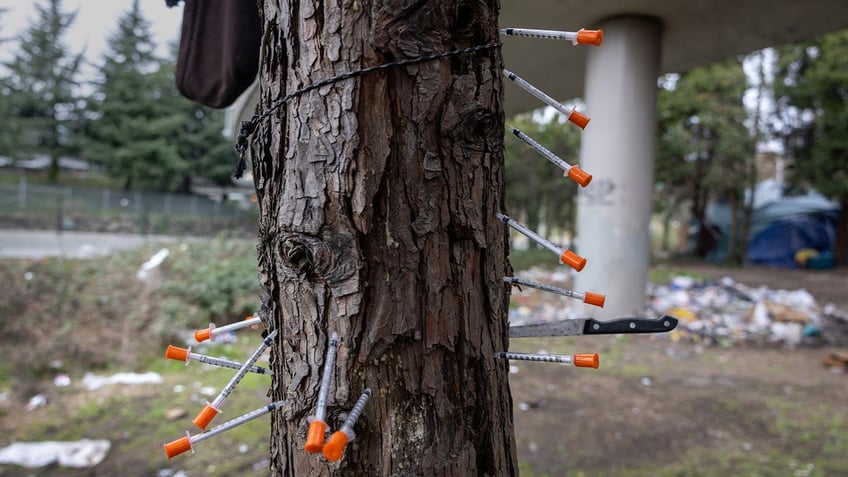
{"points": [[780, 225]]}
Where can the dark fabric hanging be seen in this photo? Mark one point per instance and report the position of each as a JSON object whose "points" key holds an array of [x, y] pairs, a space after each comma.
{"points": [[219, 50]]}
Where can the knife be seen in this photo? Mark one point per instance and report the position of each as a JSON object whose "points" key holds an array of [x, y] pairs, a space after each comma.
{"points": [[591, 326]]}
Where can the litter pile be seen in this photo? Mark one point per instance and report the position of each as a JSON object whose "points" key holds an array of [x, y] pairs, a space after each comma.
{"points": [[719, 312], [726, 312]]}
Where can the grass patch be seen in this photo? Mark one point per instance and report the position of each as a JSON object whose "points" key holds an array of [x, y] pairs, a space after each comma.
{"points": [[804, 442], [75, 316], [134, 419]]}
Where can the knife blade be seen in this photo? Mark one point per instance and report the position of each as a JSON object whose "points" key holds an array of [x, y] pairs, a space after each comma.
{"points": [[591, 326]]}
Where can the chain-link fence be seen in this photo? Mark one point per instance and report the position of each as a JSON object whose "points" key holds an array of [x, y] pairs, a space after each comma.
{"points": [[24, 205]]}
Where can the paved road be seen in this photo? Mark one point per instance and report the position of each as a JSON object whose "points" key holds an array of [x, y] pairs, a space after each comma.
{"points": [[40, 243]]}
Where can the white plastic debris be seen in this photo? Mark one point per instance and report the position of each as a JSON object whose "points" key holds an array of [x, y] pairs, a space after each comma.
{"points": [[759, 317], [80, 454], [36, 402], [726, 311], [93, 382], [153, 262]]}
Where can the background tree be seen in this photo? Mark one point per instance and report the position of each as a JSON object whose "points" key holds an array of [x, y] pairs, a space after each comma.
{"points": [[377, 221], [197, 133], [43, 102], [130, 128], [705, 150], [811, 92], [141, 130], [7, 136]]}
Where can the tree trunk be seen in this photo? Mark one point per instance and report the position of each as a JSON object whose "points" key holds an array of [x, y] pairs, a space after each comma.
{"points": [[377, 221]]}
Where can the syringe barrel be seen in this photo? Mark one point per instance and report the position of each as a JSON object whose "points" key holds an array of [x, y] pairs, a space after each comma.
{"points": [[236, 326], [227, 363], [581, 360], [243, 370], [545, 34], [236, 422], [326, 378], [549, 358], [354, 414], [334, 447], [548, 288]]}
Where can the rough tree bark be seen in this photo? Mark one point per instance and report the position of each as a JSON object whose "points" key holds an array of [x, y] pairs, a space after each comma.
{"points": [[377, 221]]}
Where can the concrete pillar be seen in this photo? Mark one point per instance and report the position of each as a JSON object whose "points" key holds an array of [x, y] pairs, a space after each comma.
{"points": [[617, 148]]}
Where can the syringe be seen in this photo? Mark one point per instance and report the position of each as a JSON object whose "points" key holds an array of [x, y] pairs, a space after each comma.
{"points": [[187, 443], [574, 116], [580, 37], [317, 426], [581, 360], [213, 331], [212, 409], [185, 354], [572, 172], [565, 256], [587, 297], [335, 446]]}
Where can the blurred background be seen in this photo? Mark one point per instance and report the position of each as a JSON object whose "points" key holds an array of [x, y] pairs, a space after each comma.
{"points": [[122, 231]]}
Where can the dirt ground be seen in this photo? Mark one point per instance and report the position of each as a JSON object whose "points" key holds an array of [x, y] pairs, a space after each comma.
{"points": [[662, 407]]}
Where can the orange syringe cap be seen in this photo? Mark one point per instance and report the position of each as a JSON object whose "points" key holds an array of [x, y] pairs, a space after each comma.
{"points": [[203, 335], [335, 446], [315, 436], [579, 176], [590, 37], [573, 260], [594, 299], [205, 417], [177, 447], [579, 119], [587, 360], [177, 353]]}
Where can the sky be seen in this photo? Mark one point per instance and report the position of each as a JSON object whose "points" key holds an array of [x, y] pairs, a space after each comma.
{"points": [[95, 22]]}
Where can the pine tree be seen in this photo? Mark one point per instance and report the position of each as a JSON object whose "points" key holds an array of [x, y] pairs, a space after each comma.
{"points": [[44, 106], [197, 132], [7, 143], [127, 136], [142, 131]]}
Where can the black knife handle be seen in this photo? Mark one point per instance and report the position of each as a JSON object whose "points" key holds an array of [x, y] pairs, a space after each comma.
{"points": [[630, 325]]}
